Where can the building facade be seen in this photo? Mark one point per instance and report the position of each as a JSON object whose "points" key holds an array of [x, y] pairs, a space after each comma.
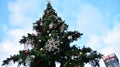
{"points": [[111, 60]]}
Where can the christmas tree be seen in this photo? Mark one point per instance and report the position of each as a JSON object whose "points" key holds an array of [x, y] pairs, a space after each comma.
{"points": [[51, 43]]}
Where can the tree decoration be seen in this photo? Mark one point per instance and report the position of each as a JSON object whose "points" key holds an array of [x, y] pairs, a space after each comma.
{"points": [[70, 37], [32, 57], [75, 66], [26, 52], [51, 26], [39, 40], [49, 35], [41, 49], [81, 53], [51, 45], [48, 31]]}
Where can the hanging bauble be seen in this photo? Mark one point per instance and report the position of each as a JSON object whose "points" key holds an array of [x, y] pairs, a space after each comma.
{"points": [[26, 52], [32, 57], [70, 37], [41, 24], [57, 36], [48, 31], [61, 42], [75, 56], [81, 53], [58, 21], [41, 49], [65, 57], [49, 35], [51, 26], [75, 66], [39, 40], [72, 57]]}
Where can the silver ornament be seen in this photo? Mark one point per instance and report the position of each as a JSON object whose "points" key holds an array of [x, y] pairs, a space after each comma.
{"points": [[51, 26], [69, 37]]}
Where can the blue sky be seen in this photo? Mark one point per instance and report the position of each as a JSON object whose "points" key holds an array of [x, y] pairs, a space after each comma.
{"points": [[98, 20]]}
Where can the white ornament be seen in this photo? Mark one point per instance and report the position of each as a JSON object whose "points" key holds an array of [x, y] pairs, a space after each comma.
{"points": [[49, 35], [41, 49], [51, 26], [48, 31], [39, 40], [61, 42], [88, 54], [75, 56], [20, 60], [41, 24], [81, 53], [59, 21], [32, 56], [69, 37], [72, 57], [57, 36]]}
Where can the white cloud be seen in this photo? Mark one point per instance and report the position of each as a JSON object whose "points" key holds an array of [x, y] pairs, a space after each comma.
{"points": [[112, 37], [107, 43], [22, 15], [112, 41], [90, 18], [92, 22], [9, 47], [94, 41]]}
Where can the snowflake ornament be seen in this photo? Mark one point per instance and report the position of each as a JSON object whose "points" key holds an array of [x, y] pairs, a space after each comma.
{"points": [[51, 45]]}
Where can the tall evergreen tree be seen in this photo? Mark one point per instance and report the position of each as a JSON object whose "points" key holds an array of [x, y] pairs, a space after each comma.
{"points": [[51, 43]]}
